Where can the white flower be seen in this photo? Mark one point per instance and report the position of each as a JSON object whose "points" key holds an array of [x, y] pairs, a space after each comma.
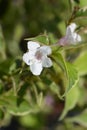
{"points": [[71, 36], [37, 58]]}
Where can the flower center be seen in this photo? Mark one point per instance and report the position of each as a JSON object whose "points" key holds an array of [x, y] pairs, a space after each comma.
{"points": [[38, 55]]}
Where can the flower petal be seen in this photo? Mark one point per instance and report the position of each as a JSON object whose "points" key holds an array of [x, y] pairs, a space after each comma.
{"points": [[28, 57], [46, 62], [76, 37], [46, 50], [79, 39], [71, 36], [63, 41], [33, 45], [36, 68], [70, 29]]}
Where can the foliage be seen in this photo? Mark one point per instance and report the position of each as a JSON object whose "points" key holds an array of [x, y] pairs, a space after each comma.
{"points": [[58, 94]]}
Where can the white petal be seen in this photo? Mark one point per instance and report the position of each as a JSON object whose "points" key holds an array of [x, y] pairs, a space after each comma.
{"points": [[28, 57], [33, 45], [78, 38], [70, 29], [46, 62], [46, 50], [69, 39], [36, 68]]}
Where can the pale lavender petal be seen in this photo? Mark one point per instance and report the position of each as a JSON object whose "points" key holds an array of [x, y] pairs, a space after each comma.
{"points": [[63, 41]]}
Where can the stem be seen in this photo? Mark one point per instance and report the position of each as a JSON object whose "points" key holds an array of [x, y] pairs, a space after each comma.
{"points": [[35, 91], [14, 86]]}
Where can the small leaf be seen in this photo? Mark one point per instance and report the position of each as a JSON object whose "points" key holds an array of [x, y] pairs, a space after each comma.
{"points": [[71, 99], [81, 63], [80, 119], [41, 38]]}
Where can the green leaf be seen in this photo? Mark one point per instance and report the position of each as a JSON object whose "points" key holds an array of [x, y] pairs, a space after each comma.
{"points": [[5, 66], [82, 12], [43, 39], [72, 76], [55, 89], [81, 63], [60, 61], [17, 106], [71, 99], [3, 102], [29, 121], [70, 71], [10, 66], [51, 38], [15, 66], [80, 119]]}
